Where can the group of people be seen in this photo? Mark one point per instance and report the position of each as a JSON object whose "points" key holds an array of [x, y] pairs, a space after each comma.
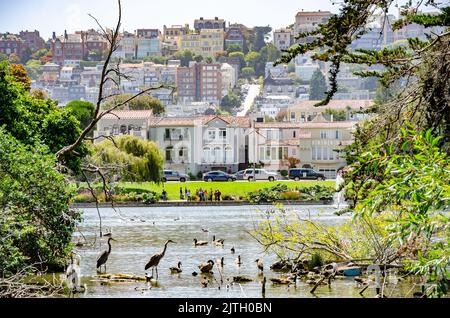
{"points": [[204, 195]]}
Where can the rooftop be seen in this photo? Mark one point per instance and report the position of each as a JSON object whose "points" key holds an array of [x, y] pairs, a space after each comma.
{"points": [[129, 114]]}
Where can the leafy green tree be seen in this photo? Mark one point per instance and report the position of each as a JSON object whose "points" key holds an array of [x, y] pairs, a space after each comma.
{"points": [[261, 36], [30, 119], [156, 59], [338, 115], [318, 87], [408, 178], [82, 110], [36, 222], [185, 56], [134, 160], [230, 101], [34, 69], [241, 57], [270, 53], [234, 48], [209, 60], [143, 102], [248, 72]]}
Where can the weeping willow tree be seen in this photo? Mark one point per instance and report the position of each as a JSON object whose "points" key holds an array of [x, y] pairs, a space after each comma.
{"points": [[130, 159]]}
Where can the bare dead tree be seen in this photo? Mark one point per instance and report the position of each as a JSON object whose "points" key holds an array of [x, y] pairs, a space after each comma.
{"points": [[111, 77]]}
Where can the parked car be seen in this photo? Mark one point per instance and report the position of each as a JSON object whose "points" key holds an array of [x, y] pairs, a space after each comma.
{"points": [[260, 174], [305, 174], [218, 176], [170, 175], [240, 175]]}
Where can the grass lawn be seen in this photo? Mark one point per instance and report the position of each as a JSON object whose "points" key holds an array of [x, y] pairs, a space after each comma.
{"points": [[236, 189]]}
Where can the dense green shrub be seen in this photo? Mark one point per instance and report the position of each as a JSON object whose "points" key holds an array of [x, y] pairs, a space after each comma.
{"points": [[36, 222]]}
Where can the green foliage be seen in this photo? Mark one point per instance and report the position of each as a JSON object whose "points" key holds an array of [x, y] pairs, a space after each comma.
{"points": [[143, 102], [34, 69], [318, 86], [241, 57], [31, 119], [283, 192], [36, 223], [293, 236], [316, 261], [82, 110], [156, 59], [234, 48], [186, 56], [230, 101], [409, 178], [248, 72], [261, 35], [338, 115], [134, 159]]}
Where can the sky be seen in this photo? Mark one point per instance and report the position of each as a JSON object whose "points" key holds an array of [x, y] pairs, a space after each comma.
{"points": [[58, 15]]}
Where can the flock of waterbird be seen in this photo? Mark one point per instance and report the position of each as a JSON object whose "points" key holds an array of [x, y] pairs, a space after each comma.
{"points": [[155, 259]]}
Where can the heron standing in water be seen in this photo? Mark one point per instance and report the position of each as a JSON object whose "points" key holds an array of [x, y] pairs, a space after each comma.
{"points": [[155, 259], [105, 255]]}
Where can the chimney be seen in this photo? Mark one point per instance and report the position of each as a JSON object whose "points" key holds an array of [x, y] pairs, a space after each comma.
{"points": [[65, 35], [54, 36], [216, 18]]}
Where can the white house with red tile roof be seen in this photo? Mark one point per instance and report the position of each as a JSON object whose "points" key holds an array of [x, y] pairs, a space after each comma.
{"points": [[203, 143]]}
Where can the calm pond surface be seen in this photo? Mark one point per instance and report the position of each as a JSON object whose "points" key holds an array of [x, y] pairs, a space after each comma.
{"points": [[141, 232]]}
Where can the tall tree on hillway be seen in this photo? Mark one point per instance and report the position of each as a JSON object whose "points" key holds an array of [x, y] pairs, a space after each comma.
{"points": [[318, 86], [110, 75]]}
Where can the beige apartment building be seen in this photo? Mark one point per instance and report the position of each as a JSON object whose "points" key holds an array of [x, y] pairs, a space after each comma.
{"points": [[316, 144], [208, 42], [306, 111], [283, 38]]}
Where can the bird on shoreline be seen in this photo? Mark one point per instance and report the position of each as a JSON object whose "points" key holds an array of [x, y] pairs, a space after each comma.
{"points": [[156, 258], [200, 243], [238, 261], [233, 250], [176, 270], [220, 262], [105, 255]]}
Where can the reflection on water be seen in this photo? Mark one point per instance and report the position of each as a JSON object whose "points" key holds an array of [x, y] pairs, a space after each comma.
{"points": [[137, 240]]}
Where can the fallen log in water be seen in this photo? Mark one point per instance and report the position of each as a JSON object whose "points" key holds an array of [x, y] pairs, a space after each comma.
{"points": [[120, 278]]}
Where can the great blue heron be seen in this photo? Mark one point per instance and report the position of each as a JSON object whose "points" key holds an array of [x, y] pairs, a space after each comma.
{"points": [[200, 243], [176, 270], [218, 243], [206, 267], [155, 259], [260, 265], [105, 255]]}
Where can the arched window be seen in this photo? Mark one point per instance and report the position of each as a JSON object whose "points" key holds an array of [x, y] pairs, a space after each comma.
{"points": [[123, 129], [115, 130]]}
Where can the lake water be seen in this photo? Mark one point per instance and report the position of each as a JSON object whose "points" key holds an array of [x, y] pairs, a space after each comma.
{"points": [[141, 232]]}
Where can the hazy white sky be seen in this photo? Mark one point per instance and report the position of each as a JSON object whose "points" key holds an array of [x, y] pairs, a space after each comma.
{"points": [[57, 15]]}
